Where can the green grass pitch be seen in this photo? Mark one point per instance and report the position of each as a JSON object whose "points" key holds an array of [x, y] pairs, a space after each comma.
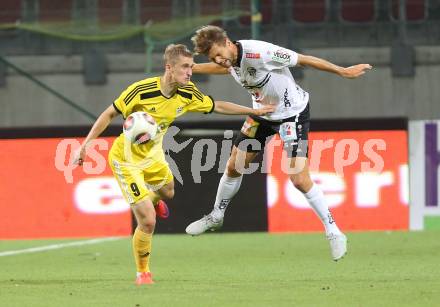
{"points": [[246, 269]]}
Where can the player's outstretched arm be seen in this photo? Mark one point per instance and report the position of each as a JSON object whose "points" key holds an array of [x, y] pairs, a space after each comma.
{"points": [[229, 108], [98, 127], [321, 64], [209, 68]]}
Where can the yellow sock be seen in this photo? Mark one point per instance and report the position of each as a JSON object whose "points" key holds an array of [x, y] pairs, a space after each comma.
{"points": [[142, 250], [154, 197]]}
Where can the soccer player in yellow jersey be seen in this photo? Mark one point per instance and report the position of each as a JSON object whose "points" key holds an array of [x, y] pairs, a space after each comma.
{"points": [[141, 170]]}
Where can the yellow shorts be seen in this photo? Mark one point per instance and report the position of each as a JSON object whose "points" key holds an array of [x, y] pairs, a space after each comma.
{"points": [[137, 183]]}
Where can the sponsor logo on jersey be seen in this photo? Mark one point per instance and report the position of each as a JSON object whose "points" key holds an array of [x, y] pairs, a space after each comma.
{"points": [[250, 55], [286, 99], [281, 56]]}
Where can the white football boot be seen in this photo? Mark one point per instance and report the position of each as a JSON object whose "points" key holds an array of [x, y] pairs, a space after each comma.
{"points": [[204, 224], [338, 245]]}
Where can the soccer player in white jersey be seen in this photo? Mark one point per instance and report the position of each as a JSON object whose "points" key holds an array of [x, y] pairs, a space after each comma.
{"points": [[263, 69]]}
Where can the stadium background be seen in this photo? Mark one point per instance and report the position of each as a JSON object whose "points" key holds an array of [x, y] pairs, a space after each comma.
{"points": [[63, 62], [91, 73], [88, 51], [74, 57]]}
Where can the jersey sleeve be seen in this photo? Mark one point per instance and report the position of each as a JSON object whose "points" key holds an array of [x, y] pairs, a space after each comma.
{"points": [[276, 57], [124, 103], [200, 102]]}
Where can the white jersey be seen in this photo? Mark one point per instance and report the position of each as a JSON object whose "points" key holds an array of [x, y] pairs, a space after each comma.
{"points": [[263, 69]]}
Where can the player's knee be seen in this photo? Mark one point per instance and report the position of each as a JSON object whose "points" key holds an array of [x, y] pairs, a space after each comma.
{"points": [[145, 216], [147, 224], [169, 194], [231, 170], [166, 192]]}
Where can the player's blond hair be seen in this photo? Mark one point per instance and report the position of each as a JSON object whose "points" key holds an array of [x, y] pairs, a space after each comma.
{"points": [[173, 51], [207, 36]]}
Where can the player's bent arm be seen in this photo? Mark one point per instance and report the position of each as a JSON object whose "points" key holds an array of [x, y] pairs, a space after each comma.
{"points": [[101, 123], [229, 108], [209, 68], [98, 127], [321, 64]]}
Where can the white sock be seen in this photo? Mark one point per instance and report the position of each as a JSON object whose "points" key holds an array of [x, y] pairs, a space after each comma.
{"points": [[316, 199], [227, 188]]}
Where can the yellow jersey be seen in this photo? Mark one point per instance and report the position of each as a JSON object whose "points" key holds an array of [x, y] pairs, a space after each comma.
{"points": [[146, 96]]}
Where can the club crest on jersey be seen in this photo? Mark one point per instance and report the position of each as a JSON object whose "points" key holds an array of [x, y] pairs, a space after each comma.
{"points": [[179, 110], [250, 55], [281, 56], [252, 71]]}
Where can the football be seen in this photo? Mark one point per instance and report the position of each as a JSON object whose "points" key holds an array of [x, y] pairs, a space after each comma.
{"points": [[139, 128]]}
